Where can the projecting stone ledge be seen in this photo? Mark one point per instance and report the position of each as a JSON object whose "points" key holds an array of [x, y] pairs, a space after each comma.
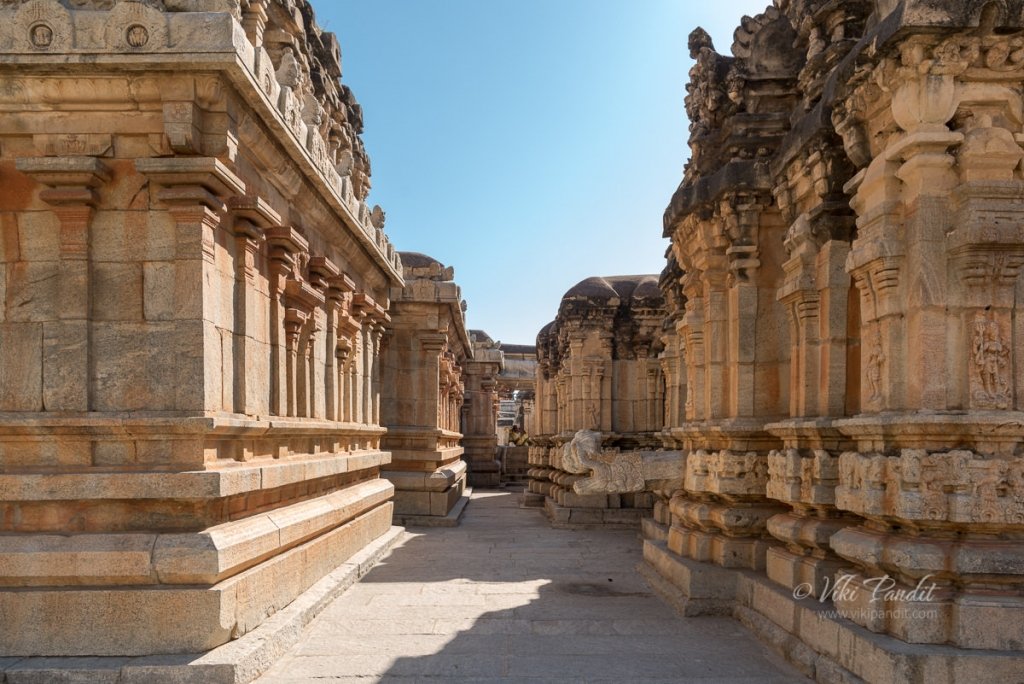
{"points": [[241, 660]]}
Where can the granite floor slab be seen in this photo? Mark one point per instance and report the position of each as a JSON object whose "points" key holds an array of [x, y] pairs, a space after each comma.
{"points": [[506, 597]]}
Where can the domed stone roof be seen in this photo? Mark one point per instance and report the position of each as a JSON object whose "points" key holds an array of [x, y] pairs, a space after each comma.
{"points": [[628, 289], [419, 265], [418, 260]]}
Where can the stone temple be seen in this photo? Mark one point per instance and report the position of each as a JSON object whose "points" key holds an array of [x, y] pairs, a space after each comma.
{"points": [[224, 394]]}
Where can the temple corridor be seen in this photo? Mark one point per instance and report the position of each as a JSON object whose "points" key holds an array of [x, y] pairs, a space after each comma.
{"points": [[506, 597]]}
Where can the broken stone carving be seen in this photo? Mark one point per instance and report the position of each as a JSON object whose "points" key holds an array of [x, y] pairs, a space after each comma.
{"points": [[618, 472]]}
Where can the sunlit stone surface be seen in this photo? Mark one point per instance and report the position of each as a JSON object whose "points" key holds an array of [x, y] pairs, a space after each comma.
{"points": [[192, 298], [843, 336], [424, 353]]}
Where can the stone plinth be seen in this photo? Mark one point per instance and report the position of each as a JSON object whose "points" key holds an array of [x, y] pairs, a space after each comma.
{"points": [[193, 294], [515, 463]]}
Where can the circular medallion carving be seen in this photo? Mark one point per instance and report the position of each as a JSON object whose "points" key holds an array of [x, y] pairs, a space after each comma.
{"points": [[41, 35], [136, 35]]}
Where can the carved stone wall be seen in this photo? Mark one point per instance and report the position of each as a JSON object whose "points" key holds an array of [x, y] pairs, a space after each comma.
{"points": [[423, 354], [843, 291], [192, 298], [727, 331], [598, 370]]}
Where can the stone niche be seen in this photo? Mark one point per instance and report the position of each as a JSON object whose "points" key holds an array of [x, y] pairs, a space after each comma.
{"points": [[598, 370], [842, 349], [422, 360], [192, 297], [480, 410]]}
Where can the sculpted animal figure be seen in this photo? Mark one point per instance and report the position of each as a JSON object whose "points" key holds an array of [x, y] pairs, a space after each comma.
{"points": [[615, 472]]}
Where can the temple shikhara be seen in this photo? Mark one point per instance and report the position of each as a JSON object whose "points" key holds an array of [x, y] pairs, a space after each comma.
{"points": [[225, 395]]}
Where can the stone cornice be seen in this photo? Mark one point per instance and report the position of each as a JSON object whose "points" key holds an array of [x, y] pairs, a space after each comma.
{"points": [[89, 41]]}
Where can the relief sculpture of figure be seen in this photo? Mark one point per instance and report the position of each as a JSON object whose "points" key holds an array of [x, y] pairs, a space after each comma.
{"points": [[874, 369], [990, 356], [610, 472]]}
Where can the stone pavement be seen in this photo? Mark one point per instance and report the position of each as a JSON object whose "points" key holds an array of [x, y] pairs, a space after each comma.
{"points": [[504, 596]]}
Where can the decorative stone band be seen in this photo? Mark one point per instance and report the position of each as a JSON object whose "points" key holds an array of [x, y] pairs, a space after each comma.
{"points": [[957, 486], [728, 474], [795, 479]]}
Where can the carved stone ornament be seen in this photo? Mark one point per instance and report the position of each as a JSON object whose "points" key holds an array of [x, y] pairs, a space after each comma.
{"points": [[41, 25], [876, 359]]}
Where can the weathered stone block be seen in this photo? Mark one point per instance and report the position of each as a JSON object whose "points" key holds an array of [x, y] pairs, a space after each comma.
{"points": [[21, 379]]}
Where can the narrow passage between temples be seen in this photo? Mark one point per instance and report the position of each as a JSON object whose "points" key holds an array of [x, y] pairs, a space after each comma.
{"points": [[506, 597]]}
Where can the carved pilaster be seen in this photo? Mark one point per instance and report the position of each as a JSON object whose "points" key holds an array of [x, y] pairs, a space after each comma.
{"points": [[194, 190], [71, 185], [252, 216]]}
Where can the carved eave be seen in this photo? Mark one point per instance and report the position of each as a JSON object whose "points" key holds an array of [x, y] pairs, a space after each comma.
{"points": [[735, 176], [71, 180], [928, 14], [303, 296], [338, 286], [208, 173], [287, 239], [321, 271], [348, 326], [252, 215], [369, 309]]}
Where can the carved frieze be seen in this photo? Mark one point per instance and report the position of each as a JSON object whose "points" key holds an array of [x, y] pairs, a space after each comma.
{"points": [[958, 486]]}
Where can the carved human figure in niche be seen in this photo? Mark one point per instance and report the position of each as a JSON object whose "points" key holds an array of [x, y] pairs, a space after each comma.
{"points": [[595, 421], [815, 43], [42, 35], [991, 360], [874, 369], [690, 402]]}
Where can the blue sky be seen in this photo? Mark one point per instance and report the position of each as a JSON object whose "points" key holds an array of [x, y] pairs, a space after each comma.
{"points": [[528, 143]]}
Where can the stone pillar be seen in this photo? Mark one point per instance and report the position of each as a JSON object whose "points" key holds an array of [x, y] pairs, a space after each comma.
{"points": [[544, 425], [481, 438], [251, 372]]}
